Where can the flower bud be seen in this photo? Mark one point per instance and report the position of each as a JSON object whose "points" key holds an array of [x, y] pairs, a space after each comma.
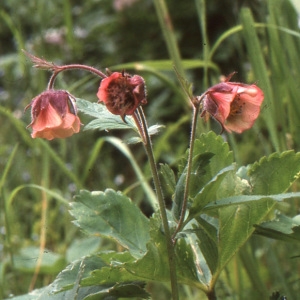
{"points": [[234, 105], [53, 115], [122, 93]]}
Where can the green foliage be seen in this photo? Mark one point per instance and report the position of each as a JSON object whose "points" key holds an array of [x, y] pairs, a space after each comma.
{"points": [[231, 199], [112, 215], [281, 227], [214, 231], [266, 175], [51, 262]]}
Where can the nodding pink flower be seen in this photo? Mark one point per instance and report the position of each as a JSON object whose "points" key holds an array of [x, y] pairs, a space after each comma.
{"points": [[234, 105], [53, 115], [122, 93]]}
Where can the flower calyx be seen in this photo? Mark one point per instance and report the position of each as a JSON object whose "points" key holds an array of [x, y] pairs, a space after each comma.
{"points": [[122, 93]]}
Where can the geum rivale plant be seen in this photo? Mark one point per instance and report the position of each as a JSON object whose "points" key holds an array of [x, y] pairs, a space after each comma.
{"points": [[216, 205]]}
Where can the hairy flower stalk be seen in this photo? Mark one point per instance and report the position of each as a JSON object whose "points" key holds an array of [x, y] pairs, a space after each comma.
{"points": [[45, 65], [234, 105], [196, 106], [162, 206], [54, 112], [123, 95]]}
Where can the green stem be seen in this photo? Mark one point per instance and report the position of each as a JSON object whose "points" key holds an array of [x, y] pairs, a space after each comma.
{"points": [[201, 11], [7, 212], [161, 203], [137, 119], [196, 107], [169, 35], [211, 295]]}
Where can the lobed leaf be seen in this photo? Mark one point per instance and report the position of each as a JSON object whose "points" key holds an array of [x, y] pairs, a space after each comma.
{"points": [[218, 157], [123, 290], [239, 214], [197, 249], [103, 119], [113, 215], [274, 174], [154, 265], [247, 200], [236, 225], [209, 193], [281, 228], [211, 155], [199, 163], [80, 280]]}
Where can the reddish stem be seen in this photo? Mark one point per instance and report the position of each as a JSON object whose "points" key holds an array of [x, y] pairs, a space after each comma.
{"points": [[59, 69]]}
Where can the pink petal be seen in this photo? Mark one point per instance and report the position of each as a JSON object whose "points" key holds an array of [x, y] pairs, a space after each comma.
{"points": [[241, 122], [47, 118]]}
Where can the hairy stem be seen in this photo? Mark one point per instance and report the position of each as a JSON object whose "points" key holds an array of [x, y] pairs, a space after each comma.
{"points": [[59, 69], [211, 295], [137, 119], [162, 207], [196, 106]]}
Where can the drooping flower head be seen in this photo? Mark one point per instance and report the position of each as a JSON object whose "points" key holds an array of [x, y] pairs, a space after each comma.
{"points": [[53, 115], [234, 105], [122, 93]]}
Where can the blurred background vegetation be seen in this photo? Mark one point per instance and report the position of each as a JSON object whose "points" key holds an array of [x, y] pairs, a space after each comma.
{"points": [[259, 39]]}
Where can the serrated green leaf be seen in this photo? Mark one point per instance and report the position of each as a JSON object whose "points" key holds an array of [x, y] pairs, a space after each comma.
{"points": [[236, 226], [106, 124], [67, 278], [274, 174], [281, 228], [211, 155], [74, 282], [237, 222], [104, 120], [189, 269], [33, 295], [123, 290], [198, 253], [113, 215], [46, 294], [207, 241], [82, 247], [198, 165], [104, 268], [238, 214], [248, 200], [208, 193], [154, 265], [222, 158]]}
